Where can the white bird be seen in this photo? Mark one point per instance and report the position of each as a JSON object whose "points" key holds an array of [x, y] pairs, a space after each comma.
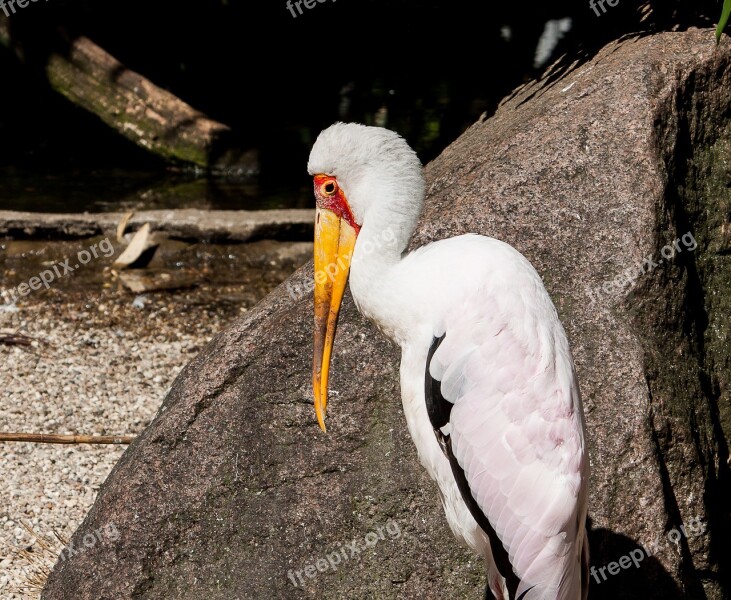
{"points": [[487, 378]]}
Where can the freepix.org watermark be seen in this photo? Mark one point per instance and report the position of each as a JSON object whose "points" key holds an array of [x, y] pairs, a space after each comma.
{"points": [[57, 271], [345, 552], [631, 274], [11, 4], [108, 532], [593, 5], [695, 528], [298, 5], [385, 238]]}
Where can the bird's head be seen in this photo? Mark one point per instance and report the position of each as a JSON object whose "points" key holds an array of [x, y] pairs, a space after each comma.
{"points": [[363, 176], [365, 168]]}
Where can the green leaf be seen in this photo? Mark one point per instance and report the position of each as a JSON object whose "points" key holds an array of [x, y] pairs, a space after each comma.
{"points": [[724, 19]]}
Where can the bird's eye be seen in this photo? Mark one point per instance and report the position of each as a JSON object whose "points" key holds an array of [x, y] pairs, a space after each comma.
{"points": [[329, 188]]}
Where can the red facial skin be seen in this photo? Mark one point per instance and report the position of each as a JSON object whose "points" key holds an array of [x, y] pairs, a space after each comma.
{"points": [[334, 200]]}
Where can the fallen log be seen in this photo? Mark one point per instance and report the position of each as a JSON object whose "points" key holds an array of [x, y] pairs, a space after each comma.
{"points": [[186, 224], [134, 106]]}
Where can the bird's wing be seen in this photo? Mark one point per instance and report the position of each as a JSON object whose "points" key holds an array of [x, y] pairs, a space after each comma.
{"points": [[515, 424]]}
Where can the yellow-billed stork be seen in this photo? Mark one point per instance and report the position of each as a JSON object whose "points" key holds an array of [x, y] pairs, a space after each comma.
{"points": [[487, 378]]}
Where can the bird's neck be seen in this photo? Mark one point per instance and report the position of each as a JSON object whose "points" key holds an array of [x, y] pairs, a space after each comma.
{"points": [[374, 280]]}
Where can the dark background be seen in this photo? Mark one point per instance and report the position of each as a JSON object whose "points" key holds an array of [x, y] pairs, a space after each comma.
{"points": [[435, 66]]}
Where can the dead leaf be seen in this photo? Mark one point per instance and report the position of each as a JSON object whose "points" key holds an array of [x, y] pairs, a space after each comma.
{"points": [[141, 241]]}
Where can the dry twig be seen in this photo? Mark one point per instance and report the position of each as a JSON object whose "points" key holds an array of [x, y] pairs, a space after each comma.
{"points": [[15, 339], [50, 438]]}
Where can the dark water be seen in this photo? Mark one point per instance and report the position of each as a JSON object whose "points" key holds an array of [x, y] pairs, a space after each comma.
{"points": [[78, 190]]}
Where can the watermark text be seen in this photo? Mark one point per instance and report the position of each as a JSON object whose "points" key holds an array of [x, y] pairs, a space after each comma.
{"points": [[631, 274], [345, 552], [57, 271]]}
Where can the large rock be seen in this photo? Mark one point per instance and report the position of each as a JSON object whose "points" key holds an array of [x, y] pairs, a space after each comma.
{"points": [[591, 176]]}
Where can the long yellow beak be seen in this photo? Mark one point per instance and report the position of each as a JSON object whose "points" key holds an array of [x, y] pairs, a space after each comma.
{"points": [[334, 243]]}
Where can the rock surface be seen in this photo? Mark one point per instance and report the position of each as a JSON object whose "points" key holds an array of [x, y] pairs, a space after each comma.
{"points": [[591, 176]]}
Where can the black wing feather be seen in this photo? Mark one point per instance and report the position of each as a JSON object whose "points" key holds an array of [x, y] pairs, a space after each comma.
{"points": [[439, 410]]}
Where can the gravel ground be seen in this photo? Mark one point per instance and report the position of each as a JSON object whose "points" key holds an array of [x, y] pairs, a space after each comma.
{"points": [[100, 363]]}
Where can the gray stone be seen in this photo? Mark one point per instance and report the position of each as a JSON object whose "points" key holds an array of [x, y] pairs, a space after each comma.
{"points": [[233, 484]]}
